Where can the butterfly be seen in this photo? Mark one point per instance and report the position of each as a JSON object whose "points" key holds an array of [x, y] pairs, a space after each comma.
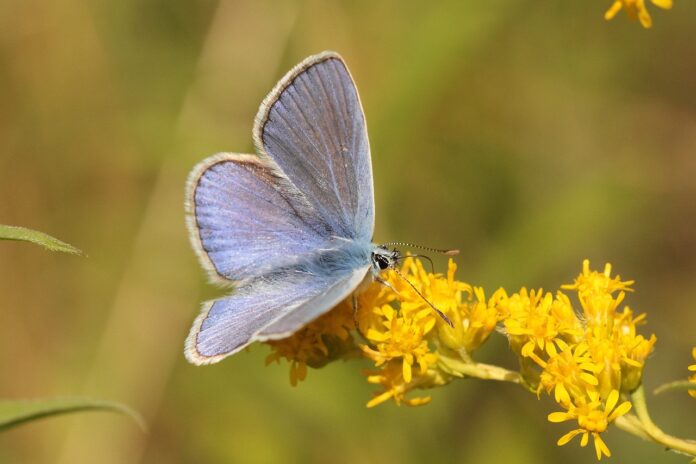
{"points": [[291, 228]]}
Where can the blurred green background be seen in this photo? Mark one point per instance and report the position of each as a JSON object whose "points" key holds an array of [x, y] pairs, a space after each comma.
{"points": [[529, 134]]}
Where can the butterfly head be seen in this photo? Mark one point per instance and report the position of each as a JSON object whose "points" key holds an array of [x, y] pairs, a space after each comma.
{"points": [[384, 258]]}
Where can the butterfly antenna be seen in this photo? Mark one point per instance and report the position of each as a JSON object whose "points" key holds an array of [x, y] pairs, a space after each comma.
{"points": [[432, 266], [439, 313], [435, 250]]}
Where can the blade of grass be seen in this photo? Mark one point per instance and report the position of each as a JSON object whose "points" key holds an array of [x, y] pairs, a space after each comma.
{"points": [[23, 234], [17, 412]]}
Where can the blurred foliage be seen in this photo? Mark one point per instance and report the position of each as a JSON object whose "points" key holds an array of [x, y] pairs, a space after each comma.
{"points": [[16, 412], [530, 135]]}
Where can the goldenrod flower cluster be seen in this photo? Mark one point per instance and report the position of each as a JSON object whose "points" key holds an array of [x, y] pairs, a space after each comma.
{"points": [[407, 340], [636, 9], [587, 357], [398, 331], [321, 341]]}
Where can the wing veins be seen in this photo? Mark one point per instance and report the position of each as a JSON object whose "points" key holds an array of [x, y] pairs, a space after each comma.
{"points": [[318, 136], [338, 149], [276, 181], [345, 108]]}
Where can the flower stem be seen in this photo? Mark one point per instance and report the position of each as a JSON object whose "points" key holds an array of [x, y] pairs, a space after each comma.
{"points": [[639, 424], [677, 385], [631, 424], [460, 368], [642, 425]]}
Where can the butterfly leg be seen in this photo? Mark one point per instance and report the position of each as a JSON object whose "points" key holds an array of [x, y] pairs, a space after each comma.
{"points": [[354, 301], [380, 280]]}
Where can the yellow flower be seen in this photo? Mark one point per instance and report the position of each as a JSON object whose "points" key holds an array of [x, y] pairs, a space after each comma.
{"points": [[611, 336], [536, 321], [593, 282], [607, 356], [634, 348], [585, 360], [693, 369], [319, 342], [593, 418], [569, 373], [395, 387], [599, 309], [402, 336], [595, 292], [474, 320], [373, 296], [617, 350], [445, 293], [636, 9], [479, 318]]}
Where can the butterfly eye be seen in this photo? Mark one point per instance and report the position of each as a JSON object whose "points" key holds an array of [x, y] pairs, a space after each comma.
{"points": [[382, 261]]}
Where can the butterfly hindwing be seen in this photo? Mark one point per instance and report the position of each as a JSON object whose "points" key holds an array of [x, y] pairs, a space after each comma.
{"points": [[227, 325], [307, 312]]}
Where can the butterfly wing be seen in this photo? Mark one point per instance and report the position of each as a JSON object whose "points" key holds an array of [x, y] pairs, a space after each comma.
{"points": [[260, 221], [313, 127], [257, 307], [245, 218]]}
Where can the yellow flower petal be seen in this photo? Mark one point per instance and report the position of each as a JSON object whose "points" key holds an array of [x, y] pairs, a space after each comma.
{"points": [[407, 371], [611, 12], [567, 437], [589, 378], [381, 398], [665, 4], [528, 348], [376, 335], [621, 410], [418, 401], [429, 325], [600, 447], [559, 417], [561, 394], [612, 399]]}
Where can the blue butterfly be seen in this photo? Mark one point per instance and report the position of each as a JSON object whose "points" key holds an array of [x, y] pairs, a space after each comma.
{"points": [[290, 228]]}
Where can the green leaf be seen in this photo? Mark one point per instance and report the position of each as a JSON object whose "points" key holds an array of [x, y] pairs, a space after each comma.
{"points": [[16, 412], [33, 236]]}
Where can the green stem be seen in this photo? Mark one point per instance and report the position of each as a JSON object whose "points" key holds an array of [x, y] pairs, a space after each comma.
{"points": [[651, 431], [676, 385], [631, 424], [482, 371], [639, 424]]}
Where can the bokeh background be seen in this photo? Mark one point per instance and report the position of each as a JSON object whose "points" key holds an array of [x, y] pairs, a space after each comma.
{"points": [[529, 134]]}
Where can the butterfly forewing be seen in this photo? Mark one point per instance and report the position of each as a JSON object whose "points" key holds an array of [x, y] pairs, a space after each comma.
{"points": [[247, 220], [312, 125]]}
